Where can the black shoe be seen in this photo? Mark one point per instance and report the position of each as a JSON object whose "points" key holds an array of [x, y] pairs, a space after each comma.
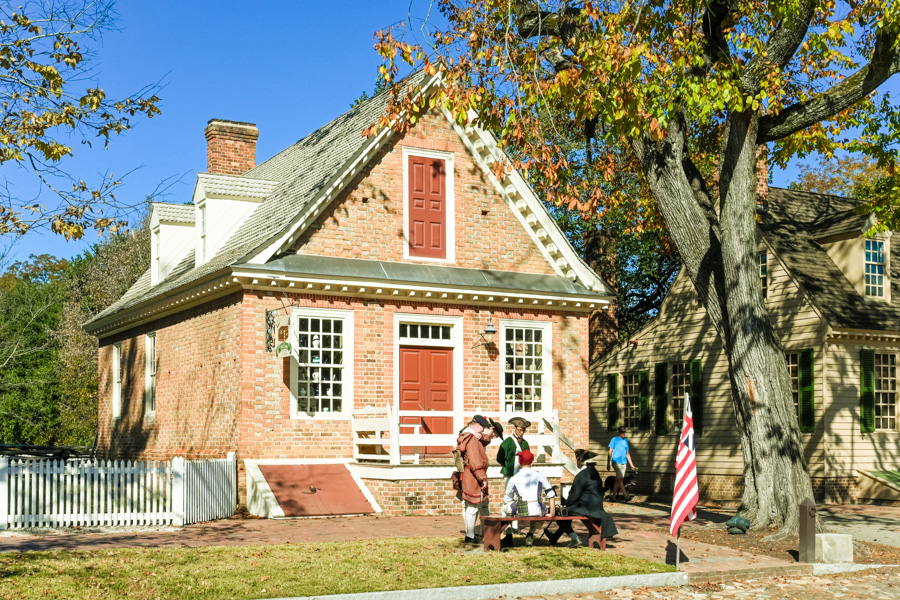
{"points": [[552, 536], [507, 541], [529, 540], [576, 543], [470, 540]]}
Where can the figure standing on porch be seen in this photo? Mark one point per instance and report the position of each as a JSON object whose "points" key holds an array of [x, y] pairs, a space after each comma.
{"points": [[620, 457], [524, 493], [471, 443], [507, 457]]}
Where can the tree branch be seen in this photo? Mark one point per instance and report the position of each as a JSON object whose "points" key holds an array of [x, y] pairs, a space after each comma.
{"points": [[841, 96], [781, 46]]}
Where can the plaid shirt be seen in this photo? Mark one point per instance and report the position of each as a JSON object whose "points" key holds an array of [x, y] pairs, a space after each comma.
{"points": [[526, 487]]}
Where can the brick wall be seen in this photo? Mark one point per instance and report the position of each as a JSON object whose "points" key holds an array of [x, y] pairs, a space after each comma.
{"points": [[366, 221], [198, 377]]}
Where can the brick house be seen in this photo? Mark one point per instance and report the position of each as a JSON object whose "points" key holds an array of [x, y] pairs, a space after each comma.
{"points": [[828, 289], [330, 307]]}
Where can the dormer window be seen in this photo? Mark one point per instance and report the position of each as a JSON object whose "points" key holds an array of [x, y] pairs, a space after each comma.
{"points": [[875, 268]]}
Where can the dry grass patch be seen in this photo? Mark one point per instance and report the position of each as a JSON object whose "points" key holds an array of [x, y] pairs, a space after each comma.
{"points": [[294, 569]]}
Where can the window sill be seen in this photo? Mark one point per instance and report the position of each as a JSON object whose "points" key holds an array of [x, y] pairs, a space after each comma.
{"points": [[331, 416]]}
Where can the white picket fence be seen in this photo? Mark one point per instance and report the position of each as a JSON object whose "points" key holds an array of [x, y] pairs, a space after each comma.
{"points": [[55, 493]]}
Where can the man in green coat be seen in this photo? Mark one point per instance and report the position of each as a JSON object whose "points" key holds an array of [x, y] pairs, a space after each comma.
{"points": [[507, 457]]}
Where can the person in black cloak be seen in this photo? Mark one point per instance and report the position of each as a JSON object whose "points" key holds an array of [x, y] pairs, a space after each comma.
{"points": [[585, 498]]}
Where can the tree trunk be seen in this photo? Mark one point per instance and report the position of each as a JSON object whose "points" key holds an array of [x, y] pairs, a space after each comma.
{"points": [[722, 261]]}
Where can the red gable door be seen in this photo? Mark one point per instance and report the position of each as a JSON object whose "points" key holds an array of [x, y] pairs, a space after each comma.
{"points": [[427, 207]]}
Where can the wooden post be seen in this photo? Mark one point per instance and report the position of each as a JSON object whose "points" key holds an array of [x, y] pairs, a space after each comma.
{"points": [[807, 531], [4, 493]]}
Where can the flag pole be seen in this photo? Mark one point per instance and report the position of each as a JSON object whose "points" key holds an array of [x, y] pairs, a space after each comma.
{"points": [[678, 548]]}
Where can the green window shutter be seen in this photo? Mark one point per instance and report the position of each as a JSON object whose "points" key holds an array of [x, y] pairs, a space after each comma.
{"points": [[697, 395], [644, 398], [867, 391], [807, 404], [661, 376], [612, 402]]}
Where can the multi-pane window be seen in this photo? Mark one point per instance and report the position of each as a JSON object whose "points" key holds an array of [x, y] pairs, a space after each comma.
{"points": [[885, 391], [681, 385], [763, 273], [411, 331], [793, 364], [875, 268], [631, 400], [150, 399], [117, 380], [525, 368], [321, 363]]}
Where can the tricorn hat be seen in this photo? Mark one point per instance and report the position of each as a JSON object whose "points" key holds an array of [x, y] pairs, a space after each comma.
{"points": [[585, 456], [519, 422], [498, 428], [481, 421]]}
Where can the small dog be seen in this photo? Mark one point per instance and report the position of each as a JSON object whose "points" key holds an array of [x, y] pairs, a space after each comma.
{"points": [[610, 482]]}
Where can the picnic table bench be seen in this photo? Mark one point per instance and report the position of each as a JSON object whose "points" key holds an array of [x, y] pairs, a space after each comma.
{"points": [[494, 524]]}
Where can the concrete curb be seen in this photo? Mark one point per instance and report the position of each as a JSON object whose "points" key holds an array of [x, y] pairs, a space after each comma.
{"points": [[528, 588], [587, 585]]}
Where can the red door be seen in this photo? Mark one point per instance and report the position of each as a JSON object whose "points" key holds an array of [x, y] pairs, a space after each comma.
{"points": [[427, 207], [426, 383]]}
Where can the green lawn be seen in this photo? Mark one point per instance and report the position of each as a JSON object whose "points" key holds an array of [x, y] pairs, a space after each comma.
{"points": [[294, 569], [891, 476]]}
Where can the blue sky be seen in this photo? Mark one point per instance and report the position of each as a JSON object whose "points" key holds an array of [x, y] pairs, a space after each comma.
{"points": [[287, 66]]}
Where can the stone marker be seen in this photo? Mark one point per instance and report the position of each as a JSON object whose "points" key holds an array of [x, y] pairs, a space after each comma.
{"points": [[834, 548], [807, 531]]}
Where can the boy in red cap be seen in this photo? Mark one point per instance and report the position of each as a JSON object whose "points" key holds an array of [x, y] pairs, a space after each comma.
{"points": [[524, 493]]}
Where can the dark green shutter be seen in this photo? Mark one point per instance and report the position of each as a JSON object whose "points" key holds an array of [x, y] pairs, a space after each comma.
{"points": [[644, 398], [807, 401], [661, 375], [697, 395], [867, 391], [612, 402]]}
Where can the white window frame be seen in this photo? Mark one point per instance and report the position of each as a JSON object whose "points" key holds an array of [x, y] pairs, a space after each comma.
{"points": [[880, 393], [151, 381], [347, 377], [450, 207], [455, 342], [764, 273], [546, 327], [117, 381], [885, 240], [678, 389]]}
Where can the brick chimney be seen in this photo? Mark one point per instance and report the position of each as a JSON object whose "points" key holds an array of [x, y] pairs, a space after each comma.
{"points": [[230, 147], [762, 175]]}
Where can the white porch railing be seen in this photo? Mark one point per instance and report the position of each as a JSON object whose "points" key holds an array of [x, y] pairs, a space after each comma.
{"points": [[38, 493], [378, 435]]}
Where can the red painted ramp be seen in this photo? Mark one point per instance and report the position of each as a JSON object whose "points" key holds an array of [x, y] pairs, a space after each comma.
{"points": [[315, 490]]}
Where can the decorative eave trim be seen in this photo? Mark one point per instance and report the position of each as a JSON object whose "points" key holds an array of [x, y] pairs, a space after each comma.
{"points": [[158, 307], [862, 335], [382, 290], [520, 198], [281, 243]]}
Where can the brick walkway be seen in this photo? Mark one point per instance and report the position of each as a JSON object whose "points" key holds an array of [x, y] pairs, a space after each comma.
{"points": [[638, 525]]}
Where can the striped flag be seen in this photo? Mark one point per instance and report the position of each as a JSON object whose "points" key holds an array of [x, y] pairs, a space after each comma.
{"points": [[687, 495]]}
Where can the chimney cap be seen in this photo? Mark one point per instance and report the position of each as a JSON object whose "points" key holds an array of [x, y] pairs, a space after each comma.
{"points": [[229, 122]]}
